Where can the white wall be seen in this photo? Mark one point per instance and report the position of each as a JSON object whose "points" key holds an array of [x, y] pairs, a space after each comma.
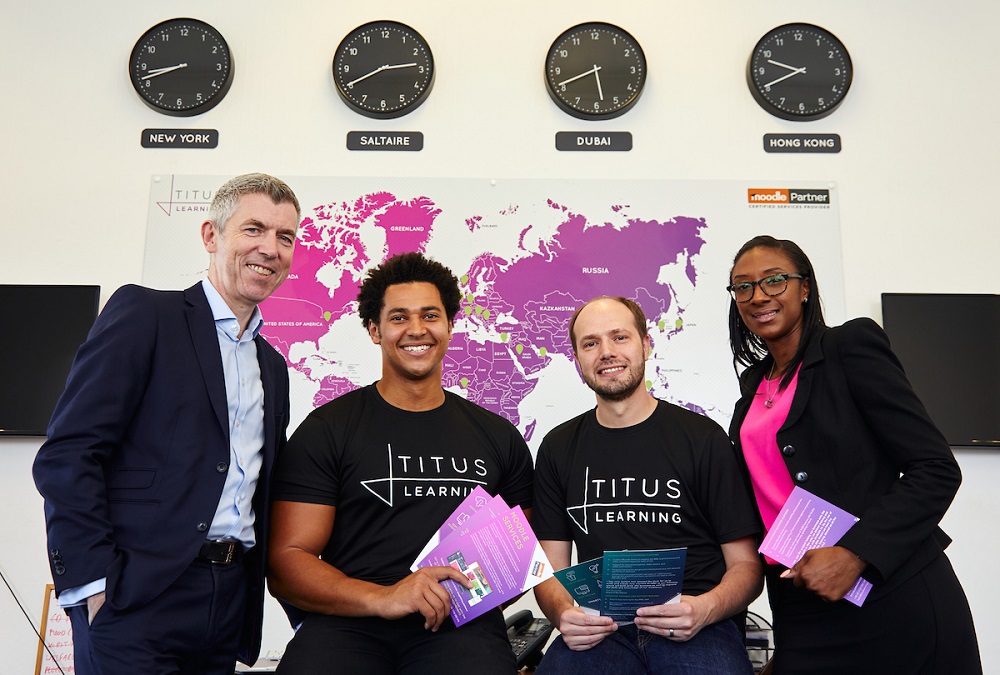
{"points": [[918, 170]]}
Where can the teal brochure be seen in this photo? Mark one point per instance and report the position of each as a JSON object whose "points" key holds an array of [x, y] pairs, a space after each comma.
{"points": [[634, 579], [583, 581]]}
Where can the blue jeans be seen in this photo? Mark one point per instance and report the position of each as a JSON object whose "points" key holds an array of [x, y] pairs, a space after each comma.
{"points": [[716, 650]]}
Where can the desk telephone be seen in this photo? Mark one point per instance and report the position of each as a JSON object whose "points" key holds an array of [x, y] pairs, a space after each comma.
{"points": [[527, 636]]}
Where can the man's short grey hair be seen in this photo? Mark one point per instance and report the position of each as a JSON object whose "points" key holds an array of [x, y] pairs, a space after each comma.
{"points": [[228, 196]]}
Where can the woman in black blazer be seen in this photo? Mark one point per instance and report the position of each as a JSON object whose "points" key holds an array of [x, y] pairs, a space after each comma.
{"points": [[830, 410]]}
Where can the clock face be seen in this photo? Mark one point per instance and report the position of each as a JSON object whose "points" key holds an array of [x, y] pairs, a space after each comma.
{"points": [[595, 71], [383, 69], [181, 67], [799, 72]]}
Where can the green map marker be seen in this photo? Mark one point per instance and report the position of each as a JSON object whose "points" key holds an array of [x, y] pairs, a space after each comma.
{"points": [[464, 382], [518, 348], [327, 315]]}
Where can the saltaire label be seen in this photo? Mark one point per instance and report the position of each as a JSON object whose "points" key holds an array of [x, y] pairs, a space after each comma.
{"points": [[386, 141], [180, 138], [594, 141]]}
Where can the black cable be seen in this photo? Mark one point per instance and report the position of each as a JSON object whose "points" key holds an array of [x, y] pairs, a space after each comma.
{"points": [[30, 623]]}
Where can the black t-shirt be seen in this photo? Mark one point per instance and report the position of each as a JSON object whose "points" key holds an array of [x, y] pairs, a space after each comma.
{"points": [[395, 476], [667, 482]]}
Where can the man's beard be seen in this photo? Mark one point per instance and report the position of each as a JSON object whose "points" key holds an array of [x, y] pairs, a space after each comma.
{"points": [[621, 389]]}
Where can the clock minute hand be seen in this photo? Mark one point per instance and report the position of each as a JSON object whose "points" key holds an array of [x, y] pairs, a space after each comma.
{"points": [[583, 74], [600, 91], [160, 71], [366, 76], [785, 77], [379, 70]]}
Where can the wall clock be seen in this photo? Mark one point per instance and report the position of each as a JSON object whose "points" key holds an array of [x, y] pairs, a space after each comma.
{"points": [[595, 71], [383, 69], [181, 67], [799, 72]]}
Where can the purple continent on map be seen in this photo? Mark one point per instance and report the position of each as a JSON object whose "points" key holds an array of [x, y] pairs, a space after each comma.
{"points": [[517, 305]]}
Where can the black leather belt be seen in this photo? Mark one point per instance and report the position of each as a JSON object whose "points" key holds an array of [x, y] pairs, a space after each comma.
{"points": [[221, 551]]}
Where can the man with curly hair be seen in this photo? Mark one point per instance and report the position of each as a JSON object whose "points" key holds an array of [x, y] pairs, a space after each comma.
{"points": [[368, 478]]}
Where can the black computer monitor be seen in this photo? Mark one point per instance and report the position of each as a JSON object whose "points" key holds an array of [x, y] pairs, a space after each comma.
{"points": [[42, 328], [949, 345]]}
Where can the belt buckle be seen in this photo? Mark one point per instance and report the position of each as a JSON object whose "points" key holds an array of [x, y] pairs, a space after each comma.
{"points": [[228, 549], [230, 553]]}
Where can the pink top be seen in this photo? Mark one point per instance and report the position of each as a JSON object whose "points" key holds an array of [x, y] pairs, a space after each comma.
{"points": [[759, 437]]}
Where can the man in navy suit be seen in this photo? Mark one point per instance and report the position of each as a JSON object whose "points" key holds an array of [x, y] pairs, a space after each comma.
{"points": [[156, 467]]}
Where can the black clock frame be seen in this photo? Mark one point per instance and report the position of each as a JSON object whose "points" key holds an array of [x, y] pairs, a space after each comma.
{"points": [[196, 74], [383, 79], [625, 78], [813, 68]]}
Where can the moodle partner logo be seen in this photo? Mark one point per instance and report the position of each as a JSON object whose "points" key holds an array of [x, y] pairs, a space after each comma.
{"points": [[767, 195], [787, 196]]}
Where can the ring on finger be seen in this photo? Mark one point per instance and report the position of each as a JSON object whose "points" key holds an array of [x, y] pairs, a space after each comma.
{"points": [[670, 633]]}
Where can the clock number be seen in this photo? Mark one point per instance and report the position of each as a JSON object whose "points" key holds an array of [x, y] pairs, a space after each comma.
{"points": [[402, 98], [595, 35], [180, 102], [367, 39], [416, 51], [779, 42], [150, 49], [820, 101], [353, 51], [165, 38], [576, 42], [383, 103], [184, 32], [385, 34], [563, 53], [628, 52], [345, 69], [218, 67], [798, 37], [830, 54], [215, 50]]}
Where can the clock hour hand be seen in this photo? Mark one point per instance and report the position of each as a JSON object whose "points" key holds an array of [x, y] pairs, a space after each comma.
{"points": [[783, 65], [160, 71], [785, 77], [583, 74], [400, 65]]}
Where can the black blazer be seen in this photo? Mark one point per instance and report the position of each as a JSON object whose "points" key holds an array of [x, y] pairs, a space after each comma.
{"points": [[138, 446], [858, 436]]}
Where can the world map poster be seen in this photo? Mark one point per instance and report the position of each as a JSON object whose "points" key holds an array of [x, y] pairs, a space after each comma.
{"points": [[527, 253]]}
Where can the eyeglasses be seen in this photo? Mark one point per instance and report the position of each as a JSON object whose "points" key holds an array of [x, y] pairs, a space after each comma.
{"points": [[742, 291]]}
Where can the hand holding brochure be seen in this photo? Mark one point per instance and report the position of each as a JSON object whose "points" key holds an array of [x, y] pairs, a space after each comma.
{"points": [[806, 522], [498, 553], [621, 582]]}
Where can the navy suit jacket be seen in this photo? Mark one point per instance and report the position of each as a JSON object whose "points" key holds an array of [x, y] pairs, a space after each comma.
{"points": [[138, 451]]}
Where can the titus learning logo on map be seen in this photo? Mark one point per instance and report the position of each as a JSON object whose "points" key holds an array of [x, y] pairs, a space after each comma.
{"points": [[787, 197]]}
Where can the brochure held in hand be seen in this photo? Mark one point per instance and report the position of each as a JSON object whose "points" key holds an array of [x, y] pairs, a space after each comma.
{"points": [[494, 547]]}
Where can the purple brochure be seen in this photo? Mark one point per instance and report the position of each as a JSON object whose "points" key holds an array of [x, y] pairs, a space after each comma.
{"points": [[477, 499], [502, 559], [806, 522]]}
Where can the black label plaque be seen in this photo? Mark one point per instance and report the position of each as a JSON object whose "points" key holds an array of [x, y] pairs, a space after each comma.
{"points": [[180, 138], [801, 142], [386, 141], [594, 141]]}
